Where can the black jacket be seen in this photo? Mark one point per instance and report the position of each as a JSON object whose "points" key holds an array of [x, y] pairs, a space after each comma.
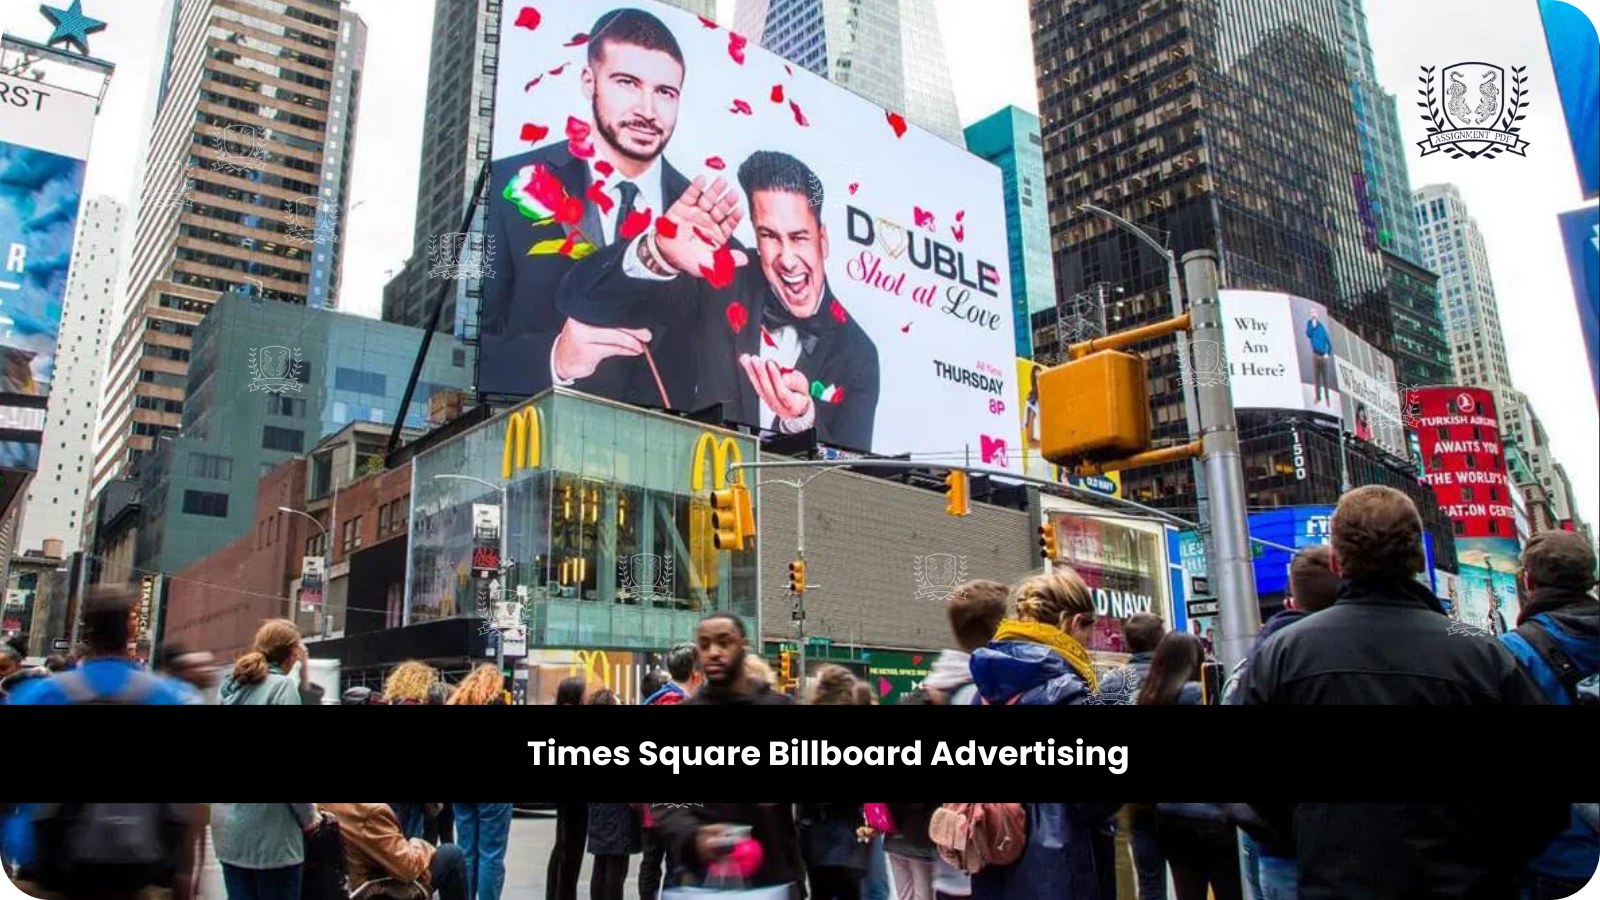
{"points": [[519, 319], [1417, 851], [700, 332], [771, 825], [828, 836], [614, 829], [763, 695], [1384, 644]]}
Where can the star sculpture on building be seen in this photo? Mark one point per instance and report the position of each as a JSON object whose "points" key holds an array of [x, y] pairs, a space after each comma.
{"points": [[72, 26]]}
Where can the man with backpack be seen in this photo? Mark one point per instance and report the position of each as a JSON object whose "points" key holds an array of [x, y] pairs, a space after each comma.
{"points": [[1557, 639], [107, 677], [109, 851]]}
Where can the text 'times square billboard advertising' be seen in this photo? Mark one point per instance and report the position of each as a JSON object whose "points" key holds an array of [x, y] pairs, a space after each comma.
{"points": [[679, 219]]}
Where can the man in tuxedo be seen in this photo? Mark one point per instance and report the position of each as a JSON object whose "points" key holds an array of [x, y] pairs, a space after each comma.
{"points": [[773, 345], [633, 79]]}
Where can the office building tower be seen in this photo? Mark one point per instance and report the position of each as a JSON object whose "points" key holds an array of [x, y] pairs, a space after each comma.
{"points": [[1010, 139], [1453, 246]]}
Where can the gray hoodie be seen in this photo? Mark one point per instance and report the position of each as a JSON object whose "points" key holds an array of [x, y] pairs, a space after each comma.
{"points": [[952, 676], [260, 835]]}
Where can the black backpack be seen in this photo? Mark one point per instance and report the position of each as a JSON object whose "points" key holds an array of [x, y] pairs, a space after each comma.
{"points": [[323, 875], [95, 848]]}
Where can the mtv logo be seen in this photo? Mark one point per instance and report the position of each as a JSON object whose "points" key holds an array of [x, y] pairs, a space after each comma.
{"points": [[994, 452]]}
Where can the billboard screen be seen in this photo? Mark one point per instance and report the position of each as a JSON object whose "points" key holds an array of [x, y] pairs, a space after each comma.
{"points": [[1286, 352], [1125, 568], [1580, 231], [44, 140], [680, 219], [1458, 436]]}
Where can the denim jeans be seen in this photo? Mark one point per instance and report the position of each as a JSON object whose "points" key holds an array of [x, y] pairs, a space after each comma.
{"points": [[448, 873], [413, 818], [482, 830], [261, 884], [1149, 865]]}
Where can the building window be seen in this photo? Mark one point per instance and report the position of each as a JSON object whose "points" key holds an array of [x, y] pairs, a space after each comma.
{"points": [[1472, 461], [1494, 527], [1438, 463], [205, 503], [1460, 528], [1466, 495], [290, 439], [360, 381], [1494, 495], [1444, 433], [205, 465], [278, 405], [350, 535]]}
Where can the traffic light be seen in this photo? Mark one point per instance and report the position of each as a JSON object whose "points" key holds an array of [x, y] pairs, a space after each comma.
{"points": [[1047, 541], [1095, 408], [733, 520], [786, 666], [957, 493], [797, 577]]}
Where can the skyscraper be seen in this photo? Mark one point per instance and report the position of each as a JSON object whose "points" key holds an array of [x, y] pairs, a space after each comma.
{"points": [[1010, 139], [60, 491], [888, 51], [455, 145], [1453, 246], [246, 186]]}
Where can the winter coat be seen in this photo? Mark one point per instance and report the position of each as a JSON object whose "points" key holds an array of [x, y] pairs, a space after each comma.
{"points": [[951, 676], [614, 829], [1120, 687], [1234, 689], [910, 835], [669, 695], [1033, 673], [261, 835], [277, 689], [771, 825], [828, 836], [1572, 618], [374, 846], [1384, 644], [1069, 856]]}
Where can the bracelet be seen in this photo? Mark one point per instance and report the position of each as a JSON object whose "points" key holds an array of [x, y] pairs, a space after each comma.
{"points": [[650, 255]]}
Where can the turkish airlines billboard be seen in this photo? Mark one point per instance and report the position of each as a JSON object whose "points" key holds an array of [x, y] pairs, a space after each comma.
{"points": [[680, 219]]}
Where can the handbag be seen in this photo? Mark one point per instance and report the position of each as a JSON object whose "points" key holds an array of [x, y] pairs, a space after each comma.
{"points": [[323, 873]]}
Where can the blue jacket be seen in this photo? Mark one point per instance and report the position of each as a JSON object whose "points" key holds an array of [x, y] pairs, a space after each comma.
{"points": [[1572, 618], [1034, 673], [106, 677], [1575, 853], [1321, 344], [1069, 856]]}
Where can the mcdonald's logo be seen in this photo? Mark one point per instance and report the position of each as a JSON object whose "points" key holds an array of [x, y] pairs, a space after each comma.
{"points": [[723, 452], [595, 667], [522, 441]]}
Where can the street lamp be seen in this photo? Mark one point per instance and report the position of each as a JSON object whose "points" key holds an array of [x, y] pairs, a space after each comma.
{"points": [[327, 555], [505, 527]]}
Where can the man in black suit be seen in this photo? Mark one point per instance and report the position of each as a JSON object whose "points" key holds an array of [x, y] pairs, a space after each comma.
{"points": [[633, 78], [774, 345]]}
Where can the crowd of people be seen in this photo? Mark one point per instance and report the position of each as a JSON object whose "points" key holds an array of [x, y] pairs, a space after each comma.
{"points": [[821, 851]]}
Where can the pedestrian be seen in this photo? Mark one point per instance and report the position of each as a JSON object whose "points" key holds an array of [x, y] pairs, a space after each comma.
{"points": [[613, 837], [1149, 864], [482, 831], [105, 851], [358, 695], [1557, 639], [484, 686], [1199, 843], [261, 677], [1266, 854], [603, 697], [1174, 676], [261, 847], [439, 824], [1387, 640], [1568, 862], [375, 848], [440, 693], [974, 610], [408, 684], [10, 661], [707, 841], [413, 818], [1141, 633], [1313, 587], [570, 691], [836, 686], [654, 857], [834, 848], [196, 669], [1069, 854], [572, 832], [911, 851], [726, 664], [682, 661], [652, 681], [1039, 658], [55, 662], [108, 675]]}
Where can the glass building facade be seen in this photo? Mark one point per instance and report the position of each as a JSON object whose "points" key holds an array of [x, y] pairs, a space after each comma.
{"points": [[1010, 139], [607, 521]]}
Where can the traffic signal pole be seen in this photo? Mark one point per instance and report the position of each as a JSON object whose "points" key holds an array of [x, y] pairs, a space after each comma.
{"points": [[1231, 566]]}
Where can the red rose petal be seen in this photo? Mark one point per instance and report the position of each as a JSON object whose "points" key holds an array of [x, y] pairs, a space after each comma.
{"points": [[906, 328], [570, 211], [799, 117], [635, 223], [737, 315], [720, 276], [666, 228], [838, 312], [581, 149], [703, 236], [528, 18], [572, 241], [777, 93], [923, 217], [898, 123], [716, 162], [960, 231], [598, 196], [961, 215], [788, 68], [532, 84], [604, 168], [578, 40], [854, 186], [577, 129], [559, 69], [709, 23], [766, 338], [534, 133], [742, 108], [736, 45]]}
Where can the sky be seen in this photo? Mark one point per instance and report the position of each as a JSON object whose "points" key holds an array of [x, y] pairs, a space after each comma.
{"points": [[1514, 200]]}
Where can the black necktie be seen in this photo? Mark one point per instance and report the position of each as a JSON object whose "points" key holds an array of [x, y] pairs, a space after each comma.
{"points": [[629, 192]]}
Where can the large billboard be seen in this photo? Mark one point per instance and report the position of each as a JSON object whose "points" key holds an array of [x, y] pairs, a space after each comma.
{"points": [[1580, 231], [1124, 566], [1576, 63], [1458, 434], [44, 141], [680, 219], [1286, 352]]}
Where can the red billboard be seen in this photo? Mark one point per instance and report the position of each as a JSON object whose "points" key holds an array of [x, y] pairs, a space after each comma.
{"points": [[1458, 433]]}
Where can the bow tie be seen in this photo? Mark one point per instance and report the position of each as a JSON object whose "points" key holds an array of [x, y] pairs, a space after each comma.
{"points": [[775, 315]]}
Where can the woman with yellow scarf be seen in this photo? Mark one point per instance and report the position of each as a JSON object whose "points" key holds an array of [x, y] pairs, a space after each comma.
{"points": [[1040, 658]]}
